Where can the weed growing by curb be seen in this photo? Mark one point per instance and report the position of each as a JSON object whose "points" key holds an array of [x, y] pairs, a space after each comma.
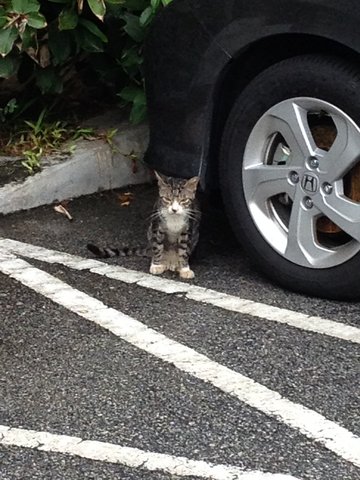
{"points": [[34, 140]]}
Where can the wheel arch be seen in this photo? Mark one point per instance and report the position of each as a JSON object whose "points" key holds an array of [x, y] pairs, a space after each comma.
{"points": [[246, 65]]}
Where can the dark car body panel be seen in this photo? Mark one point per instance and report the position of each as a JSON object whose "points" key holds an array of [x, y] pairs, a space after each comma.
{"points": [[190, 47]]}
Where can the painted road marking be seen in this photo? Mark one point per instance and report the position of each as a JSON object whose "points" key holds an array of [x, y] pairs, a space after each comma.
{"points": [[130, 457], [192, 292], [308, 422]]}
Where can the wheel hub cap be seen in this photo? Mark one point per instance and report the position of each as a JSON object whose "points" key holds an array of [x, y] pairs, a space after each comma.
{"points": [[310, 183]]}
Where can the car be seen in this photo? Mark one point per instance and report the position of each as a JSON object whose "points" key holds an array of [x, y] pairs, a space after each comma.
{"points": [[261, 98]]}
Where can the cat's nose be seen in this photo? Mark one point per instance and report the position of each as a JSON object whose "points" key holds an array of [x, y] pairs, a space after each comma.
{"points": [[175, 207]]}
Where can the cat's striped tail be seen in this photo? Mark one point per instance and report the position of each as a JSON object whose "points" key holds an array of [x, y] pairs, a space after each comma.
{"points": [[107, 252]]}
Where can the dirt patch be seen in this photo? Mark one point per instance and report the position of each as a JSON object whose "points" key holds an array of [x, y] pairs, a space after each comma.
{"points": [[12, 171]]}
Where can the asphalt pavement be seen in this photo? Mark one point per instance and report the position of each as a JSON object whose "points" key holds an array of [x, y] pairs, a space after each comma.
{"points": [[70, 372]]}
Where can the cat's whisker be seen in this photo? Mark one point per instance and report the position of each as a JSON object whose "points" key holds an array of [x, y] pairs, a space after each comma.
{"points": [[193, 215]]}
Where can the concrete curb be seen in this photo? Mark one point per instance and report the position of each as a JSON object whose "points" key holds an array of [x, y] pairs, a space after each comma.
{"points": [[94, 166]]}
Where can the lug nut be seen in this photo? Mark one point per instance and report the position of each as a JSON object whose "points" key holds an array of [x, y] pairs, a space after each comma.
{"points": [[313, 162], [308, 202], [294, 177], [327, 188]]}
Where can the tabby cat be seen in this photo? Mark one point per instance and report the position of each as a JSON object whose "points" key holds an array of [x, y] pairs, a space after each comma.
{"points": [[173, 231]]}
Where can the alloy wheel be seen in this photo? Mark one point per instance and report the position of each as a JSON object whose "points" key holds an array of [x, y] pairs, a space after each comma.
{"points": [[301, 180]]}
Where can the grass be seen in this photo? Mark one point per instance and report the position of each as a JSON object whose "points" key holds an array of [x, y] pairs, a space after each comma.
{"points": [[33, 140]]}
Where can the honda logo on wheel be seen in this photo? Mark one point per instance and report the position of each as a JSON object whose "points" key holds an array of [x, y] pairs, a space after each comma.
{"points": [[310, 183]]}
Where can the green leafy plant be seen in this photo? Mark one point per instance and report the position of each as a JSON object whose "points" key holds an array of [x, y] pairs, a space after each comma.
{"points": [[8, 110], [32, 160], [43, 41]]}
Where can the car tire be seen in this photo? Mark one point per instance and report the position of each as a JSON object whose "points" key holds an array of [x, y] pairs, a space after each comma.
{"points": [[286, 196]]}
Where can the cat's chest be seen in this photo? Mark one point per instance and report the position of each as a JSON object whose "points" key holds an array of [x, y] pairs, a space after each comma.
{"points": [[175, 224]]}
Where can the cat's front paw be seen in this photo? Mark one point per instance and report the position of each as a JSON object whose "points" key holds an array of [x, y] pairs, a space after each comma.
{"points": [[157, 269], [186, 273]]}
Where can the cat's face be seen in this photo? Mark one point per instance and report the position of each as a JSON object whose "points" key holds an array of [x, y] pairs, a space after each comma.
{"points": [[176, 195]]}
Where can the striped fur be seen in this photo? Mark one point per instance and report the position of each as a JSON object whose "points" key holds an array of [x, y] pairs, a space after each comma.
{"points": [[108, 252]]}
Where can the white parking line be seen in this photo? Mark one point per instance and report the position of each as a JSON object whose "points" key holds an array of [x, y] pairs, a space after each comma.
{"points": [[130, 457], [308, 422], [192, 292]]}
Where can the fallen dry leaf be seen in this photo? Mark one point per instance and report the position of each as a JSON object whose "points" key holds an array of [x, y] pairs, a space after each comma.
{"points": [[125, 198], [61, 209]]}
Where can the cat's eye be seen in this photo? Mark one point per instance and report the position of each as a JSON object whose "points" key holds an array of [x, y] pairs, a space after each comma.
{"points": [[185, 201], [166, 199]]}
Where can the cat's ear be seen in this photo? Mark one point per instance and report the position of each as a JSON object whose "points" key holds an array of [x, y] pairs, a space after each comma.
{"points": [[192, 184], [160, 179]]}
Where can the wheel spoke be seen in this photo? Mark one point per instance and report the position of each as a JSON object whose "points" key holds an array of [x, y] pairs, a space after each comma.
{"points": [[291, 121], [265, 181], [343, 212], [303, 247], [345, 151]]}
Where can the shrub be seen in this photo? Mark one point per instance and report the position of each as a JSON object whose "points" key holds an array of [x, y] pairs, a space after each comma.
{"points": [[43, 42]]}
